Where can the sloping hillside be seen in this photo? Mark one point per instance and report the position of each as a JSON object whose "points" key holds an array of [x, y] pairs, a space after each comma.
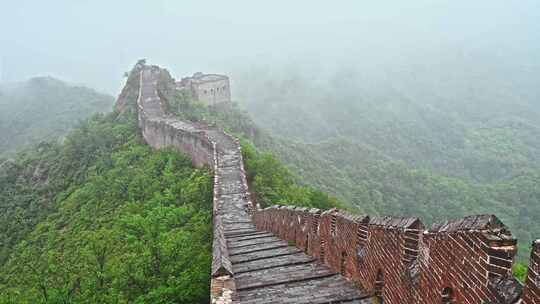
{"points": [[44, 109], [101, 218], [479, 124]]}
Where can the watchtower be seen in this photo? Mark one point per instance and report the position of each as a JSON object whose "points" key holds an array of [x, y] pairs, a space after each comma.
{"points": [[211, 89]]}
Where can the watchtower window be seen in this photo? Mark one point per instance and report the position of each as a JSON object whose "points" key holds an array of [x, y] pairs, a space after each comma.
{"points": [[447, 295]]}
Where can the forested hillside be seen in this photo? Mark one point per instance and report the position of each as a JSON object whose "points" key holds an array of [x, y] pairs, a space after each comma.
{"points": [[44, 108], [402, 143], [479, 124], [101, 218]]}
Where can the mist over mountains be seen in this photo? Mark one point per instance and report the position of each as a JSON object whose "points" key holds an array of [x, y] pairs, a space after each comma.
{"points": [[44, 109], [435, 140], [427, 109], [454, 121]]}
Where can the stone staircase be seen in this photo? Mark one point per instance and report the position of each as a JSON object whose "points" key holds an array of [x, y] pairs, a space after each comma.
{"points": [[249, 265], [299, 255]]}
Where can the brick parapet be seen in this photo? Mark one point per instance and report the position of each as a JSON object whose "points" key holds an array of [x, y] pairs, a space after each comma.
{"points": [[465, 261], [472, 257]]}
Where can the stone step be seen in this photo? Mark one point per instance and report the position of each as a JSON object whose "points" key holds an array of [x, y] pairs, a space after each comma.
{"points": [[286, 260], [266, 254], [329, 289], [251, 242], [258, 247]]}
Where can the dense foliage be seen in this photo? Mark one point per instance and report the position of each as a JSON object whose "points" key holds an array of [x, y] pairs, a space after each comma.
{"points": [[103, 219], [44, 109], [273, 183], [520, 271]]}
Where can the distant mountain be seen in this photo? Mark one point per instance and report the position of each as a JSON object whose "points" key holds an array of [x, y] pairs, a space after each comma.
{"points": [[438, 145], [480, 123], [44, 108]]}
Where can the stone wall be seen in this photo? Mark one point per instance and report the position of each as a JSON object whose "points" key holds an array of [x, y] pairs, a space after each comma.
{"points": [[397, 259], [160, 134], [160, 131], [462, 261]]}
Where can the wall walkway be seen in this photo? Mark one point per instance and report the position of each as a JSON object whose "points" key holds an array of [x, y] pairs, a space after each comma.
{"points": [[336, 257], [249, 265]]}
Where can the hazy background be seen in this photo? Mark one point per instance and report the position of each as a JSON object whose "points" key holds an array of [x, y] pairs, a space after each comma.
{"points": [[406, 108], [94, 42]]}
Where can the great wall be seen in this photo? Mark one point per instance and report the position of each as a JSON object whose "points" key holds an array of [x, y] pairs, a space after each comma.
{"points": [[296, 255]]}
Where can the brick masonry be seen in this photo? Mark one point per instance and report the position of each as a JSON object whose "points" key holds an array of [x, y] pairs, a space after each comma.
{"points": [[463, 261], [339, 258]]}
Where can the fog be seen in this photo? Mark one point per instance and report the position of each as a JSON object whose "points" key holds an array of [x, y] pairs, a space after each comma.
{"points": [[420, 108], [94, 42]]}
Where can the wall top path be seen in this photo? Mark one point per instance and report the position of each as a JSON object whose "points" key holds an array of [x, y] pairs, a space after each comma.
{"points": [[336, 257], [249, 265]]}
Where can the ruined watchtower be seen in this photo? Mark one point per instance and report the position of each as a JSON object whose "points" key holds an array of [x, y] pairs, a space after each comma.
{"points": [[210, 89]]}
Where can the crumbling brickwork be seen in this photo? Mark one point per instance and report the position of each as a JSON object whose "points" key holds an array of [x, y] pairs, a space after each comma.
{"points": [[463, 261]]}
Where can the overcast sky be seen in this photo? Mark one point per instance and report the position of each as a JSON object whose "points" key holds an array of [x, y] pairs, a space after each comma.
{"points": [[93, 42]]}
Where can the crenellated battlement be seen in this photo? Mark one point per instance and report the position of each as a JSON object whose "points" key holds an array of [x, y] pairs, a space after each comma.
{"points": [[461, 261]]}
